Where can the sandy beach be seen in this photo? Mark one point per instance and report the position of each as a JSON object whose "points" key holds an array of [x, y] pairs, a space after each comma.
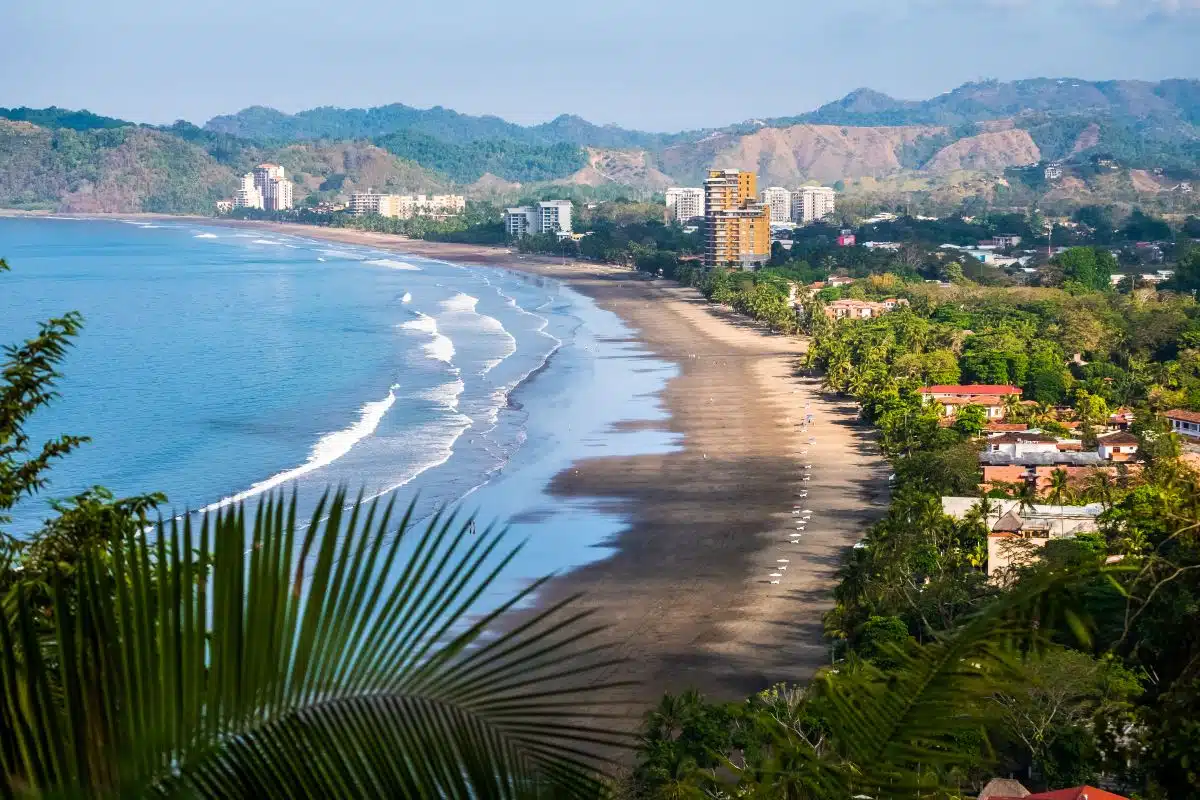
{"points": [[688, 594], [687, 597]]}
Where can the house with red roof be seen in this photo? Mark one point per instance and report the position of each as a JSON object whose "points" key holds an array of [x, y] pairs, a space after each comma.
{"points": [[989, 397], [1074, 793]]}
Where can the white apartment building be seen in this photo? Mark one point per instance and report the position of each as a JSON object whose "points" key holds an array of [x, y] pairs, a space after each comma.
{"points": [[780, 201], [406, 206], [548, 216], [276, 189], [685, 202], [248, 195], [812, 203]]}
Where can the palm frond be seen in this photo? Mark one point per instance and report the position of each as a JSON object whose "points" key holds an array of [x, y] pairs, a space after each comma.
{"points": [[254, 657]]}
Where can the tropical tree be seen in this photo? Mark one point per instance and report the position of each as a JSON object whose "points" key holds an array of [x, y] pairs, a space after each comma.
{"points": [[1059, 491], [336, 659]]}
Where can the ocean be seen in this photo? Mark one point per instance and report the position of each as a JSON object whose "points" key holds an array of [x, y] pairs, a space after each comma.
{"points": [[217, 364]]}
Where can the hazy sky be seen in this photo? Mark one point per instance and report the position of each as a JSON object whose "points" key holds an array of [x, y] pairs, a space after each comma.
{"points": [[651, 64]]}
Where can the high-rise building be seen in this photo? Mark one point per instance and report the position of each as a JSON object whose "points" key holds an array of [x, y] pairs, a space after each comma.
{"points": [[812, 203], [248, 195], [780, 202], [548, 216], [737, 226], [275, 187], [685, 202]]}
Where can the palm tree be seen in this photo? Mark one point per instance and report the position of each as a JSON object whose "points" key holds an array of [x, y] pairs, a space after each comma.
{"points": [[1013, 410], [1060, 487], [348, 658]]}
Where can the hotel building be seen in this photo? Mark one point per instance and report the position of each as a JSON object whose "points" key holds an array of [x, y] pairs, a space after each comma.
{"points": [[685, 202], [248, 195], [548, 216], [779, 200], [276, 189], [737, 226], [406, 206], [812, 203]]}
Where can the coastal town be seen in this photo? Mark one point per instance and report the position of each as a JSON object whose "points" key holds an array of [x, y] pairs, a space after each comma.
{"points": [[607, 401]]}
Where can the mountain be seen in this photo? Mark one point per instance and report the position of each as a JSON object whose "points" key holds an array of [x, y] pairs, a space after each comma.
{"points": [[268, 125], [977, 139], [177, 170]]}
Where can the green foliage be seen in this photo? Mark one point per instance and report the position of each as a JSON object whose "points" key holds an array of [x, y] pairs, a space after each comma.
{"points": [[1089, 267], [28, 375], [54, 117], [309, 663], [970, 421], [468, 161]]}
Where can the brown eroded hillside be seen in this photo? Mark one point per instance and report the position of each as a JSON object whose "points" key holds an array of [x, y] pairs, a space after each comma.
{"points": [[354, 166], [993, 151], [789, 156], [624, 167]]}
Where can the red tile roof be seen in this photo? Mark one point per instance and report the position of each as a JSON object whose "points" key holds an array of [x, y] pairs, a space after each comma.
{"points": [[974, 389], [1007, 426], [1185, 416], [1074, 793], [1120, 437]]}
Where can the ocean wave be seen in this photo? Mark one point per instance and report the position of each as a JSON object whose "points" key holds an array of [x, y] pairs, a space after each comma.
{"points": [[393, 264], [205, 236], [446, 395], [346, 254], [441, 348], [265, 241], [144, 227], [435, 439], [328, 449], [465, 304]]}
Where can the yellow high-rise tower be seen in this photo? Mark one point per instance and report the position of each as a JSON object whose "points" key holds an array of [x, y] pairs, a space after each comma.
{"points": [[738, 227]]}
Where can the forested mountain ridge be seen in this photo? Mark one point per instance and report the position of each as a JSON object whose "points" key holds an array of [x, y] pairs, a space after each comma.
{"points": [[964, 143]]}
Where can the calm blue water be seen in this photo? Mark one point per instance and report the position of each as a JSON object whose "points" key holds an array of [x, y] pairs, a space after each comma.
{"points": [[217, 363]]}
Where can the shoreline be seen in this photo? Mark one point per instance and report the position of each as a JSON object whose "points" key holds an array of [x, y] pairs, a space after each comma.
{"points": [[687, 593]]}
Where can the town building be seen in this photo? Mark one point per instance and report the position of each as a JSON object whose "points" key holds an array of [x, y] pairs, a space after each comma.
{"points": [[989, 397], [276, 189], [779, 200], [248, 195], [1005, 241], [861, 309], [1184, 423], [548, 216], [1053, 172], [406, 206], [1119, 446], [224, 206], [685, 202], [737, 226], [1017, 531], [813, 203], [846, 238]]}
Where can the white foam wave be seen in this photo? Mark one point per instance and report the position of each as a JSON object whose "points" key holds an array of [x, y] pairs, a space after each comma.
{"points": [[328, 449], [243, 236], [344, 254], [407, 298], [463, 305], [393, 264], [143, 227], [205, 236], [441, 348], [460, 303], [446, 395], [265, 241]]}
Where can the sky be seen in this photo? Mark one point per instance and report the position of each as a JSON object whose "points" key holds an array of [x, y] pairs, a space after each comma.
{"points": [[660, 65]]}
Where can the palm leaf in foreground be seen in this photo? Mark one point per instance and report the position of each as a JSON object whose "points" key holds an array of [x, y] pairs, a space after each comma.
{"points": [[339, 660]]}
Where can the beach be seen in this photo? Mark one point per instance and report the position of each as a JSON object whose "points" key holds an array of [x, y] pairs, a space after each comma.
{"points": [[706, 585], [687, 596]]}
